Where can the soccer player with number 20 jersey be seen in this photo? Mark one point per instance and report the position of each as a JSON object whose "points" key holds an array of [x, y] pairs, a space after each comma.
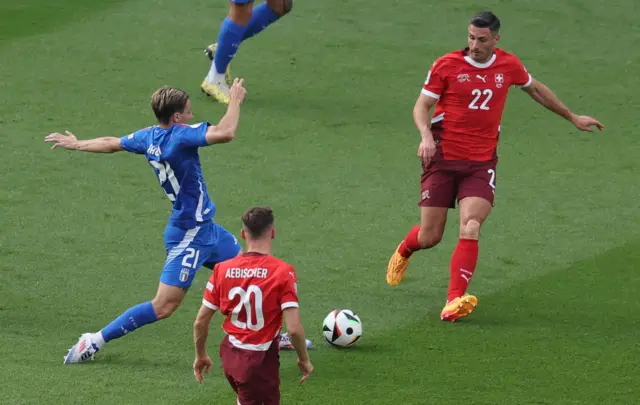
{"points": [[254, 292]]}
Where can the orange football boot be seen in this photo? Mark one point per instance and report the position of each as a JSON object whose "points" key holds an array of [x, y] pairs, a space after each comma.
{"points": [[396, 268], [459, 307]]}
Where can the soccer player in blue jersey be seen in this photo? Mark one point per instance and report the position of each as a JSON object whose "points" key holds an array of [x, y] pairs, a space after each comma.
{"points": [[243, 22], [191, 237]]}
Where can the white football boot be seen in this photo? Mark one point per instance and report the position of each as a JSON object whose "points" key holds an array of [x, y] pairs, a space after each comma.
{"points": [[285, 342], [82, 351]]}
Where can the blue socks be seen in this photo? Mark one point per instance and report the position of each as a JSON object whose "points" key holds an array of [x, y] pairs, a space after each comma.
{"points": [[229, 39], [130, 320], [232, 34], [262, 17]]}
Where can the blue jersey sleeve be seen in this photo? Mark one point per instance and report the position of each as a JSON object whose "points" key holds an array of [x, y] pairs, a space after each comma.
{"points": [[134, 143], [194, 135]]}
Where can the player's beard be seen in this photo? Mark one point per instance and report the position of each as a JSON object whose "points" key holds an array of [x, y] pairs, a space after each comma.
{"points": [[481, 56]]}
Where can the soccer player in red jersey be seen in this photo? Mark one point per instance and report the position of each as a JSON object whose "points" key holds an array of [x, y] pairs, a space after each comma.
{"points": [[458, 149], [253, 291]]}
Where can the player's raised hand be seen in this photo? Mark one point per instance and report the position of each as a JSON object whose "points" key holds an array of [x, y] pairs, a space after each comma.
{"points": [[306, 368], [201, 364], [68, 141], [584, 123], [237, 91], [427, 149]]}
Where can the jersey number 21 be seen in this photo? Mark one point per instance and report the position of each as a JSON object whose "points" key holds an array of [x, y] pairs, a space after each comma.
{"points": [[167, 179]]}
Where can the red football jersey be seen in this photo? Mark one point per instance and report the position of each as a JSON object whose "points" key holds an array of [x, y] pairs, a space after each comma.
{"points": [[471, 98], [251, 291]]}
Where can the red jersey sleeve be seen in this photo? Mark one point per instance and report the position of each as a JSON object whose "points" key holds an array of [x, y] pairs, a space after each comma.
{"points": [[435, 84], [519, 74], [211, 298], [289, 295]]}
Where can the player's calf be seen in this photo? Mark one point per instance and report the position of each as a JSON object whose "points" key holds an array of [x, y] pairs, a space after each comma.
{"points": [[464, 259], [164, 309], [167, 300], [426, 235], [429, 237]]}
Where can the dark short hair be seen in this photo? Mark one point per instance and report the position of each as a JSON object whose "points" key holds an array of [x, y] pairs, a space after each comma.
{"points": [[167, 101], [486, 19], [257, 220]]}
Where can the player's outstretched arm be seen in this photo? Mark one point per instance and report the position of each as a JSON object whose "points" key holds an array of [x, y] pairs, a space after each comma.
{"points": [[298, 339], [421, 118], [202, 361], [96, 145], [225, 131], [544, 96]]}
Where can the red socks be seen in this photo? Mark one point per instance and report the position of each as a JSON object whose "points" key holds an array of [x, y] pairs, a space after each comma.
{"points": [[463, 261], [463, 264], [410, 243]]}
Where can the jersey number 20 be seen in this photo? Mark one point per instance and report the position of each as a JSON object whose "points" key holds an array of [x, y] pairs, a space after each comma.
{"points": [[478, 95], [245, 303]]}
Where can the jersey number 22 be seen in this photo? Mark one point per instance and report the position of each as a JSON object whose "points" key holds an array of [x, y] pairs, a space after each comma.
{"points": [[487, 93]]}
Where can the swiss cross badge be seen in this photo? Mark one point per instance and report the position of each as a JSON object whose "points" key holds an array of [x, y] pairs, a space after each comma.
{"points": [[463, 77], [499, 80]]}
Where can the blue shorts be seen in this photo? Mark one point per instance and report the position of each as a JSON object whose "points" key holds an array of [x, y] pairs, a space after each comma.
{"points": [[242, 1], [190, 249]]}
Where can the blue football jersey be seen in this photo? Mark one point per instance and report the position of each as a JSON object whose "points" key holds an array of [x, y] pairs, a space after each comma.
{"points": [[173, 154]]}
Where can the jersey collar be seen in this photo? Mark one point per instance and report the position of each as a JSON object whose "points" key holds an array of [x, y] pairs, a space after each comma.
{"points": [[479, 65], [254, 254]]}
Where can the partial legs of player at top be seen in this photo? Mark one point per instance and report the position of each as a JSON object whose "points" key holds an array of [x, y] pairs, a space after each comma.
{"points": [[244, 21]]}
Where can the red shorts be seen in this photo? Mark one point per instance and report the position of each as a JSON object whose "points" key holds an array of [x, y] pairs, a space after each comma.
{"points": [[446, 181], [253, 375]]}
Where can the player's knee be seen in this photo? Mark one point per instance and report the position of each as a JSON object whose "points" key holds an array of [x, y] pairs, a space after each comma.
{"points": [[163, 308], [429, 237], [470, 229], [286, 6], [280, 7]]}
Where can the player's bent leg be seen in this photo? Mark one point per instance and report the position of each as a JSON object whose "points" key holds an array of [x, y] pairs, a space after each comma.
{"points": [[90, 343], [473, 212], [262, 16], [437, 194], [425, 236], [231, 34]]}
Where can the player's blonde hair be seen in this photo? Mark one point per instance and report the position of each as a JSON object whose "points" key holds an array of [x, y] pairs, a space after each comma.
{"points": [[167, 101], [257, 220]]}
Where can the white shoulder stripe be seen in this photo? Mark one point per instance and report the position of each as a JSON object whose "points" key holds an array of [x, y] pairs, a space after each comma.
{"points": [[430, 94], [290, 304], [209, 305], [528, 83]]}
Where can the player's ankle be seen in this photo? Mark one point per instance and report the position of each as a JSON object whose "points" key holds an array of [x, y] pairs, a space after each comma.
{"points": [[97, 340]]}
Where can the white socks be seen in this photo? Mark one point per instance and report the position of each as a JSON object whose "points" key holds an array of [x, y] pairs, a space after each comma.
{"points": [[213, 76], [98, 340]]}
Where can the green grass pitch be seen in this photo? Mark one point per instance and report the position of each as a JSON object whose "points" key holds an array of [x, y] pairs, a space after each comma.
{"points": [[326, 139]]}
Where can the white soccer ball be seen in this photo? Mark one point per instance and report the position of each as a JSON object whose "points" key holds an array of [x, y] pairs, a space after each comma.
{"points": [[342, 327]]}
